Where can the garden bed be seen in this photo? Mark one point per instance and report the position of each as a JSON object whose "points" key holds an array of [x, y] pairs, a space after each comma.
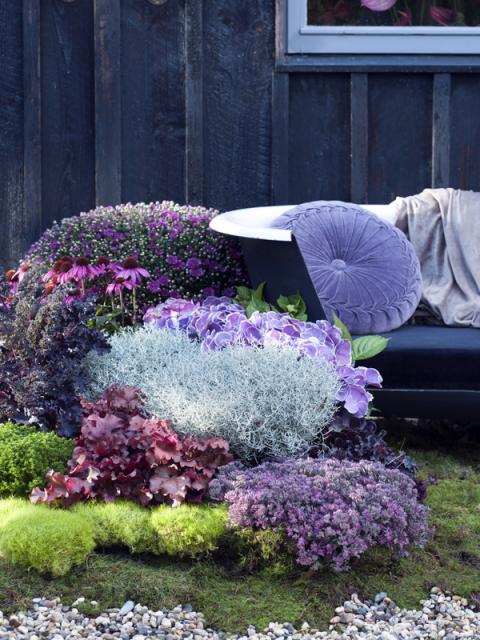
{"points": [[164, 442], [232, 599]]}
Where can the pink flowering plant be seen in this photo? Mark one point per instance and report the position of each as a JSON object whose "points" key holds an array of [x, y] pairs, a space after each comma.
{"points": [[219, 322], [330, 511], [172, 243], [113, 285], [398, 13]]}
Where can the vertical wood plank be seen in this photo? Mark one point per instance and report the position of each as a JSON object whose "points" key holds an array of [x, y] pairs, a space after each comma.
{"points": [[359, 137], [280, 27], [11, 131], [280, 135], [108, 101], [319, 137], [194, 101], [399, 135], [32, 154], [239, 47], [441, 130], [68, 113], [153, 100], [465, 132]]}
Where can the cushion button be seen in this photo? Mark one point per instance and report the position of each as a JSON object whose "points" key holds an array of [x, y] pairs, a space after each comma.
{"points": [[339, 264]]}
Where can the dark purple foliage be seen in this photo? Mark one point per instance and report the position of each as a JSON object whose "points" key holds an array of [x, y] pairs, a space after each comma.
{"points": [[123, 453], [44, 343], [358, 439]]}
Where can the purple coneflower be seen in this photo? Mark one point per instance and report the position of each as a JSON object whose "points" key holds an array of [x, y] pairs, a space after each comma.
{"points": [[12, 278], [81, 270], [53, 273], [118, 285], [22, 271], [104, 265], [132, 271]]}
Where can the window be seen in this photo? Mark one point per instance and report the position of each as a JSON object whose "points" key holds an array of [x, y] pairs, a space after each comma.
{"points": [[384, 26]]}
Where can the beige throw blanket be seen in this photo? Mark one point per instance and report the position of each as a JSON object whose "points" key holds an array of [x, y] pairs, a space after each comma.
{"points": [[444, 227]]}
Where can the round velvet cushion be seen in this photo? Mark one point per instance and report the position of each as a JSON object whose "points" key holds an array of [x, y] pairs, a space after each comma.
{"points": [[363, 268]]}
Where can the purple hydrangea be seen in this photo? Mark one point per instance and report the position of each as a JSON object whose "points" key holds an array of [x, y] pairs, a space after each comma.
{"points": [[174, 243], [332, 511], [218, 322]]}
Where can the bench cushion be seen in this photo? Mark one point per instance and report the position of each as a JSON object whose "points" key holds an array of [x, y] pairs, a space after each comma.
{"points": [[424, 357]]}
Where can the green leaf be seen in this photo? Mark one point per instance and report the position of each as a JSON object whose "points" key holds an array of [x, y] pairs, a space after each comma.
{"points": [[368, 346], [294, 305], [258, 293], [257, 305], [243, 297], [346, 335]]}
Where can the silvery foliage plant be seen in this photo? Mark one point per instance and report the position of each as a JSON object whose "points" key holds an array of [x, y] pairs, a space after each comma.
{"points": [[267, 402], [218, 322]]}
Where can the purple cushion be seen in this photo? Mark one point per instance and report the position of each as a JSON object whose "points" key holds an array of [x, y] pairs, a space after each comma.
{"points": [[363, 268]]}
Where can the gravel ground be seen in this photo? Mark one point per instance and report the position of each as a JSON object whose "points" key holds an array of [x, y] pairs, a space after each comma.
{"points": [[441, 616]]}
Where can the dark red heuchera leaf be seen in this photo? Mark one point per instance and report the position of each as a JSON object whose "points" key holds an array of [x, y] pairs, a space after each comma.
{"points": [[123, 453]]}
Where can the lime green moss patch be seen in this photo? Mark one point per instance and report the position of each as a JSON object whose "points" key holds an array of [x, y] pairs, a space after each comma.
{"points": [[48, 540], [188, 531]]}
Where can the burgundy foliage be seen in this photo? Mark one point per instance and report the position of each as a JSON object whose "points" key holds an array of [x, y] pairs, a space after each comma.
{"points": [[123, 453]]}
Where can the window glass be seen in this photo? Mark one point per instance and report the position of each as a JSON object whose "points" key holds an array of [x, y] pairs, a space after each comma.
{"points": [[389, 13]]}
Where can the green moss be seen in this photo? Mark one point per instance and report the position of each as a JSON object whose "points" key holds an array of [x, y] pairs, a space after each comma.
{"points": [[26, 455], [188, 530], [48, 540], [119, 523]]}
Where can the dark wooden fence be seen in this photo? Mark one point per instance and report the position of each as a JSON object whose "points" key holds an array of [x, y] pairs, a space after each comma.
{"points": [[103, 101]]}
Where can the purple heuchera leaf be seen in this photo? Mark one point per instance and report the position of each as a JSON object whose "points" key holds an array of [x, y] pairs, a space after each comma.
{"points": [[122, 453], [219, 322]]}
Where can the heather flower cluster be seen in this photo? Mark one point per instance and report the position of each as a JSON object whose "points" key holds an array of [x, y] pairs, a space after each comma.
{"points": [[173, 243], [218, 323], [332, 511]]}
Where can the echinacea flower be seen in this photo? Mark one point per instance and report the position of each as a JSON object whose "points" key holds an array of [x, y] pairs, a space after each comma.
{"points": [[131, 270], [55, 270], [103, 265], [442, 15], [378, 5], [12, 278], [80, 270], [118, 285], [22, 271]]}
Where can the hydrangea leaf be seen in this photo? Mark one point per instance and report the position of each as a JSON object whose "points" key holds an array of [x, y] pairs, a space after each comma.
{"points": [[346, 335], [368, 346]]}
